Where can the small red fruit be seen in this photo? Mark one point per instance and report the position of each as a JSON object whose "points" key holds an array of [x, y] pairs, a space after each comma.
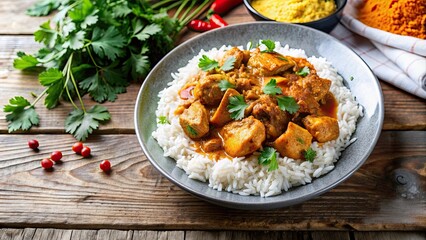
{"points": [[33, 144], [56, 156], [85, 152], [77, 147], [105, 166], [46, 163]]}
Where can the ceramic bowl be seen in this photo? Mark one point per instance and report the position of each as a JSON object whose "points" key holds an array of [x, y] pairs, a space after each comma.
{"points": [[364, 86], [325, 24]]}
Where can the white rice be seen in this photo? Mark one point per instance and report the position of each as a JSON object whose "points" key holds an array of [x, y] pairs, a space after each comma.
{"points": [[245, 176]]}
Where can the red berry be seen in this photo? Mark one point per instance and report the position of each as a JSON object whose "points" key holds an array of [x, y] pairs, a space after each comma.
{"points": [[33, 144], [105, 166], [46, 163], [85, 152], [56, 156], [77, 147]]}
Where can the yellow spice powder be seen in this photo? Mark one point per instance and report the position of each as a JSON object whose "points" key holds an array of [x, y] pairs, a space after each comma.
{"points": [[294, 11], [403, 17]]}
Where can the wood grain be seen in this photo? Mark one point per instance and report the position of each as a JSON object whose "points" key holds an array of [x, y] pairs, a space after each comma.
{"points": [[388, 192], [402, 110]]}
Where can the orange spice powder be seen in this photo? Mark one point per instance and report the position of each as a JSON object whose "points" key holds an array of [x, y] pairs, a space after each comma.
{"points": [[403, 17]]}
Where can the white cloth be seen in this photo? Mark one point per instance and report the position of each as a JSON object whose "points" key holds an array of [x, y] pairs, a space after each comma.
{"points": [[398, 60]]}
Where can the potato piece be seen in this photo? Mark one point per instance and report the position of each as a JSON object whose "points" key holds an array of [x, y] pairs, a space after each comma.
{"points": [[195, 121], [233, 52], [222, 116], [322, 128], [270, 64], [293, 142], [243, 137]]}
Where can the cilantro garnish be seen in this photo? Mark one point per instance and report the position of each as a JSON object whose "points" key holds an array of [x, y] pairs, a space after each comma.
{"points": [[270, 45], [225, 84], [288, 104], [96, 48], [268, 156], [271, 87], [191, 130], [283, 58], [249, 45], [300, 140], [303, 72], [163, 120], [207, 64], [228, 64], [237, 106], [351, 78], [310, 155]]}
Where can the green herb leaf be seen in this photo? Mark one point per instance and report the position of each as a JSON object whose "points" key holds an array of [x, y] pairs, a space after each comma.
{"points": [[22, 115], [24, 61], [303, 72], [148, 31], [288, 104], [53, 79], [225, 84], [191, 130], [228, 64], [108, 43], [268, 156], [137, 65], [351, 78], [75, 41], [207, 64], [271, 87], [43, 8], [81, 11], [163, 120], [50, 76], [270, 45], [310, 155], [46, 35], [237, 106], [81, 124]]}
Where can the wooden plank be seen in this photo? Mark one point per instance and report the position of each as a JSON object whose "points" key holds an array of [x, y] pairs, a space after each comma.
{"points": [[389, 235], [402, 110], [114, 234], [13, 19], [11, 233], [52, 234], [330, 236], [84, 234], [386, 193]]}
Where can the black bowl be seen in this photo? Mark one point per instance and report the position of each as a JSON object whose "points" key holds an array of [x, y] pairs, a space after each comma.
{"points": [[325, 24]]}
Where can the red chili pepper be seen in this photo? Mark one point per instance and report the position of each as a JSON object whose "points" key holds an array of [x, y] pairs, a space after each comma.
{"points": [[217, 21], [199, 25], [223, 6]]}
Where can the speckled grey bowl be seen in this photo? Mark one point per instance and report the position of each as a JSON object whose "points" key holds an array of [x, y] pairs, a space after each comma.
{"points": [[364, 86]]}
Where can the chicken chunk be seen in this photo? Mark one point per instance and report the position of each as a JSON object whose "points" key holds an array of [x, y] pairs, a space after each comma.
{"points": [[318, 87], [195, 121], [268, 112], [243, 137], [208, 91], [322, 128], [233, 52], [222, 116], [293, 142], [269, 64], [212, 145]]}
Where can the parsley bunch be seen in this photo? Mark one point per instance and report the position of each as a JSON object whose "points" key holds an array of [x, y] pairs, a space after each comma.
{"points": [[95, 47]]}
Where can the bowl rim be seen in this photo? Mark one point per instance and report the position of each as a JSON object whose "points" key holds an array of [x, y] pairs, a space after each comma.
{"points": [[248, 5], [274, 202]]}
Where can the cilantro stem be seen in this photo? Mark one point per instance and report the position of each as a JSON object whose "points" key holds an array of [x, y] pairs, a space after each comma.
{"points": [[69, 96], [91, 57], [188, 9], [78, 93], [66, 71], [38, 98], [161, 3], [180, 8], [173, 5], [194, 13]]}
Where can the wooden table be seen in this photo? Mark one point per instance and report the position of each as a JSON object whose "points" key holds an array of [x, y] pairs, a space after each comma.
{"points": [[385, 199]]}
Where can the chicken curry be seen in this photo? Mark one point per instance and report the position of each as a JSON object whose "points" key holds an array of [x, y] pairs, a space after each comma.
{"points": [[249, 100]]}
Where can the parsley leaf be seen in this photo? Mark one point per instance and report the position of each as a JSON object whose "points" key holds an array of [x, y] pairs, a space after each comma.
{"points": [[271, 87], [108, 43], [137, 65], [81, 124], [268, 156], [22, 115], [237, 106], [53, 79], [46, 35], [288, 104], [310, 155], [303, 72], [24, 61], [148, 31], [207, 64], [270, 45], [191, 130], [163, 120], [225, 84], [43, 8], [228, 64]]}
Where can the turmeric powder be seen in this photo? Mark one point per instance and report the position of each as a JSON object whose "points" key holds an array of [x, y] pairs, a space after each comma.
{"points": [[403, 17]]}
